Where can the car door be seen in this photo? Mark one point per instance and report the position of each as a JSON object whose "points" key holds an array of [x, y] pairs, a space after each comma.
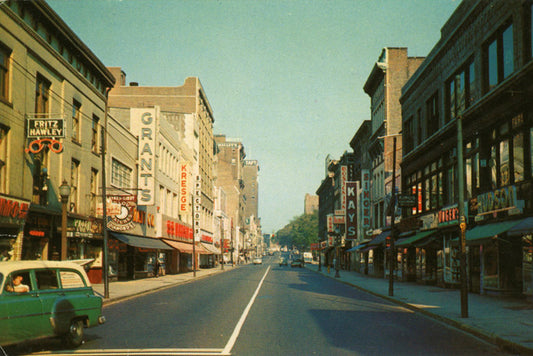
{"points": [[49, 293], [20, 312]]}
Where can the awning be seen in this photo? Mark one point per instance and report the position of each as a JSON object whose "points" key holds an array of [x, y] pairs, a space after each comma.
{"points": [[356, 248], [412, 239], [524, 227], [479, 233], [210, 248], [142, 242], [378, 240], [180, 246]]}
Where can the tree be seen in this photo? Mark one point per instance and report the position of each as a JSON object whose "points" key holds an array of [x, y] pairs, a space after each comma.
{"points": [[301, 232]]}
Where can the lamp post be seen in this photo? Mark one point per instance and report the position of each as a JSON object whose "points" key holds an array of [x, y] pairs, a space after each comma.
{"points": [[64, 192], [462, 219]]}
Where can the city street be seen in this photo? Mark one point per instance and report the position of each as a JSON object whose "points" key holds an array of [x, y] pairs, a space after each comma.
{"points": [[266, 310]]}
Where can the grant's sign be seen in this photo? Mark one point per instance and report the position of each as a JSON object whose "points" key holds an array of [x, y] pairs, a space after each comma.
{"points": [[144, 125]]}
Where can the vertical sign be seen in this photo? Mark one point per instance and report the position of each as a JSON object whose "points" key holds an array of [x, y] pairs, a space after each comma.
{"points": [[197, 205], [365, 198], [143, 124], [331, 227], [184, 188], [351, 210], [344, 179]]}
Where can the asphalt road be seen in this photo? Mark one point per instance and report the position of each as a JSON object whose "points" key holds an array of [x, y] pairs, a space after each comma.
{"points": [[267, 310]]}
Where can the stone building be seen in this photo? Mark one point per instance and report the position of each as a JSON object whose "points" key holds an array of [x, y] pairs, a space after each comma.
{"points": [[478, 74], [52, 108]]}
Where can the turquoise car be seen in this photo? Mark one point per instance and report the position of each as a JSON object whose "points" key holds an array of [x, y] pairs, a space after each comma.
{"points": [[43, 299]]}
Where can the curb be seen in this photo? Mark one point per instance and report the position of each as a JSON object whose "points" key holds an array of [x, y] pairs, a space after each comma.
{"points": [[496, 340]]}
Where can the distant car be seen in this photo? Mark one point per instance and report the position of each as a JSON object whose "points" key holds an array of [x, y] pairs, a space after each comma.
{"points": [[257, 261], [45, 298], [283, 262], [297, 262]]}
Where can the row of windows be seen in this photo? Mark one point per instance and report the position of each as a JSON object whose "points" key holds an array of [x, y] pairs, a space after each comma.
{"points": [[55, 41], [463, 88], [499, 157]]}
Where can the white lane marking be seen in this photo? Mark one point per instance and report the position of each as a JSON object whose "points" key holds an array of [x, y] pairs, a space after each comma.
{"points": [[236, 332], [147, 352]]}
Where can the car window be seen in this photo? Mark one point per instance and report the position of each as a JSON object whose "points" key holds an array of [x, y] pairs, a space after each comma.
{"points": [[18, 282], [46, 279], [71, 279]]}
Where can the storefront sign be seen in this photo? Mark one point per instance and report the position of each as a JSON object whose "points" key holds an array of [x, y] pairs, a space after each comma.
{"points": [[178, 231], [124, 220], [365, 199], [83, 228], [144, 124], [184, 188], [339, 219], [15, 209], [351, 210], [46, 128], [344, 179], [497, 200], [206, 238], [331, 227], [449, 215]]}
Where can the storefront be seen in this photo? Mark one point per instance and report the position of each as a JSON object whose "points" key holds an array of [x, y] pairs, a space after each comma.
{"points": [[138, 256], [85, 241], [42, 240], [13, 215]]}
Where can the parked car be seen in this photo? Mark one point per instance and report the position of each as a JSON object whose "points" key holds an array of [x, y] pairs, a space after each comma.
{"points": [[283, 261], [46, 298], [297, 262], [257, 261]]}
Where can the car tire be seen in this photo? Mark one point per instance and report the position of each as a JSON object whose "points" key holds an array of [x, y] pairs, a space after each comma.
{"points": [[74, 336]]}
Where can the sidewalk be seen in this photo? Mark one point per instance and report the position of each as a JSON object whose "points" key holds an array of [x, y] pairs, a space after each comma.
{"points": [[121, 290], [507, 322]]}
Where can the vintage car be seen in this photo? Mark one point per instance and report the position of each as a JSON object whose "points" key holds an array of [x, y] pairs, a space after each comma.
{"points": [[46, 298]]}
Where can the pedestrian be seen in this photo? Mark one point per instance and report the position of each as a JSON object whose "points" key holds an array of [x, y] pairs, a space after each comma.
{"points": [[156, 267]]}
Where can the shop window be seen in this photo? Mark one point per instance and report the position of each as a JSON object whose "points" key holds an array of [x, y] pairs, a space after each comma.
{"points": [[40, 177], [42, 96], [76, 121], [74, 184], [499, 57], [5, 54]]}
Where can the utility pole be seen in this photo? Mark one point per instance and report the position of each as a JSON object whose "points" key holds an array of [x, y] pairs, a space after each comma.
{"points": [[462, 219], [392, 260]]}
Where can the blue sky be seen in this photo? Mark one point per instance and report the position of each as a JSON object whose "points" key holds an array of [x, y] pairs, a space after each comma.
{"points": [[285, 77]]}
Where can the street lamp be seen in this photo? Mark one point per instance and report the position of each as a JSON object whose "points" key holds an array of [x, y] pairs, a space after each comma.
{"points": [[64, 192]]}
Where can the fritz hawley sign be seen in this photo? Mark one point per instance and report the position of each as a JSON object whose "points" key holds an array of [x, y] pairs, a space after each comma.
{"points": [[46, 128]]}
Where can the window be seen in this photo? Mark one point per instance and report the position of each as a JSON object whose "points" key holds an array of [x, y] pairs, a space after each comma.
{"points": [[76, 120], [5, 54], [120, 174], [499, 57], [94, 189], [74, 184], [432, 112], [408, 134], [42, 96], [472, 170], [46, 279], [507, 153], [40, 177], [461, 92], [94, 134], [3, 156]]}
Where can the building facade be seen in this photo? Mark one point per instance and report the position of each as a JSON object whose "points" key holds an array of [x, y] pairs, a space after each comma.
{"points": [[52, 108], [478, 74]]}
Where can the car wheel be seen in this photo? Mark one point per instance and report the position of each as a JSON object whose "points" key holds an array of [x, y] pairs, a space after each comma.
{"points": [[74, 336]]}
